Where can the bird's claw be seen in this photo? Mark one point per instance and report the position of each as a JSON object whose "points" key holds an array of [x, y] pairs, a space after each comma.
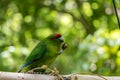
{"points": [[54, 72], [44, 70], [38, 70]]}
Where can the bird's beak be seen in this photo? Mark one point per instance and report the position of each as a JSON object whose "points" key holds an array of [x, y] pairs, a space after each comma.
{"points": [[61, 39]]}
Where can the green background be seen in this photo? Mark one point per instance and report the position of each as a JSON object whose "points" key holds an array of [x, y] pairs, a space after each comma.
{"points": [[89, 27]]}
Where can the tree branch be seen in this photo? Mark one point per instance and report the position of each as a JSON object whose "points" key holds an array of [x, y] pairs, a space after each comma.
{"points": [[114, 5], [25, 76], [80, 19]]}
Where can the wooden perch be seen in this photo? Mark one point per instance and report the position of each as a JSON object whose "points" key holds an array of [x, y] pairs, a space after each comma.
{"points": [[24, 76]]}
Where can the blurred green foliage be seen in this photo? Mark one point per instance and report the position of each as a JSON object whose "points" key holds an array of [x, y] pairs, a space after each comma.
{"points": [[88, 26]]}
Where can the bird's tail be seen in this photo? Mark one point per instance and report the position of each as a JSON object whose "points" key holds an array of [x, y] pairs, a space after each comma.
{"points": [[20, 69], [24, 65]]}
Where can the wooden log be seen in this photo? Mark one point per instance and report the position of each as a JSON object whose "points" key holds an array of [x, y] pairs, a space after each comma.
{"points": [[25, 76]]}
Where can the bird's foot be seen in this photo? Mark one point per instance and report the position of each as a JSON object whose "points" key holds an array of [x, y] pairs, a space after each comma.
{"points": [[45, 70], [55, 72], [38, 70]]}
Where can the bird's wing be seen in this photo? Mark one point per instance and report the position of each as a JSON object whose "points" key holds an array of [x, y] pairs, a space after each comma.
{"points": [[38, 52]]}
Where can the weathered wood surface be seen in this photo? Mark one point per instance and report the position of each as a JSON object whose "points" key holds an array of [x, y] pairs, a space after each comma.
{"points": [[23, 76]]}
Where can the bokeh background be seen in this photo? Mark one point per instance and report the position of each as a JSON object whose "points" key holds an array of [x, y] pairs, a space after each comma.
{"points": [[88, 26]]}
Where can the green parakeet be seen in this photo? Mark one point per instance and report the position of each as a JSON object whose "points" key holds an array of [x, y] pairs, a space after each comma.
{"points": [[44, 53]]}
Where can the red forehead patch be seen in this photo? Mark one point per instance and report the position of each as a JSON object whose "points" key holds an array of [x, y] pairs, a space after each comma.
{"points": [[57, 35]]}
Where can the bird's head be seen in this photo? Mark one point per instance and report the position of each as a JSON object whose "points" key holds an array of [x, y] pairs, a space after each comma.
{"points": [[56, 37]]}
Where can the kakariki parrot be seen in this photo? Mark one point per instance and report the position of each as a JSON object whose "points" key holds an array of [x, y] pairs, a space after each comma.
{"points": [[44, 53]]}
